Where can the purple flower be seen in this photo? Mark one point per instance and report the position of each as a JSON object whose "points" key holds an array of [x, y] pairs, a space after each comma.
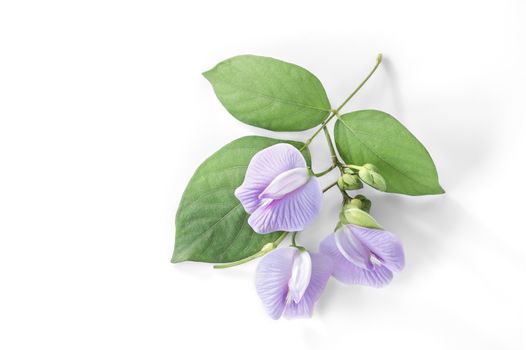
{"points": [[290, 280], [364, 256], [278, 190]]}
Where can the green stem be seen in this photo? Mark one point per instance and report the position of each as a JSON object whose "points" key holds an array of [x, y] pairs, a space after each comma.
{"points": [[309, 140], [239, 262], [334, 158], [351, 166], [378, 61], [330, 186], [294, 239], [345, 195], [337, 110], [325, 171], [262, 252]]}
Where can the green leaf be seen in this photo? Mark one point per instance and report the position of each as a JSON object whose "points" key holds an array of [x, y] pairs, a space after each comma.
{"points": [[371, 136], [269, 93], [211, 224]]}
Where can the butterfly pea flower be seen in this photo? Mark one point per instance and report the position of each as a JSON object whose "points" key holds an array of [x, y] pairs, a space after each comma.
{"points": [[290, 281], [363, 255], [278, 191]]}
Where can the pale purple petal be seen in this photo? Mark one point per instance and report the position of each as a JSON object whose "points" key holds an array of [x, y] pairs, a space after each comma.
{"points": [[349, 273], [293, 212], [386, 246], [272, 278], [264, 167], [321, 271], [299, 276]]}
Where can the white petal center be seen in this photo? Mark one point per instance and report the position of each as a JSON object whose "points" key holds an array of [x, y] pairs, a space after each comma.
{"points": [[300, 276], [286, 183]]}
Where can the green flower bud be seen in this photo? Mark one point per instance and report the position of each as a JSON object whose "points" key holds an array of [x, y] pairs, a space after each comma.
{"points": [[372, 178], [371, 167], [341, 184], [356, 202], [267, 247], [359, 217], [351, 182], [365, 203], [348, 171]]}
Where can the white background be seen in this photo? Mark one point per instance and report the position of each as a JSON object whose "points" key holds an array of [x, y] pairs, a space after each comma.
{"points": [[104, 116]]}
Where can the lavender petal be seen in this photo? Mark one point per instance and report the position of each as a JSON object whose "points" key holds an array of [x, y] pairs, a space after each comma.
{"points": [[293, 212], [272, 278], [385, 245], [349, 273]]}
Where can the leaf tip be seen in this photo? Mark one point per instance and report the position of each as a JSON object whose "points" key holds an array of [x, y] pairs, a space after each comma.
{"points": [[206, 74], [177, 258]]}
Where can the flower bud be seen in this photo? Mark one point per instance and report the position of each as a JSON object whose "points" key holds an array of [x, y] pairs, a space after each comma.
{"points": [[349, 182], [267, 247], [365, 203], [352, 181], [341, 184], [371, 167], [353, 203], [359, 217], [368, 173]]}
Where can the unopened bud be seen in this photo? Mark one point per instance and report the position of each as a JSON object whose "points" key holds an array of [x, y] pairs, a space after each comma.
{"points": [[341, 184], [349, 182], [267, 247], [359, 217], [371, 167], [365, 203], [353, 181], [370, 176]]}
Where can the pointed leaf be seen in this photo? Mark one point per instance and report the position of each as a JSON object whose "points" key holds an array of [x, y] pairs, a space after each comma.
{"points": [[269, 93]]}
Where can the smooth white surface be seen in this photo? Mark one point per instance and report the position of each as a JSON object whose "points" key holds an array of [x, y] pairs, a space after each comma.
{"points": [[104, 116]]}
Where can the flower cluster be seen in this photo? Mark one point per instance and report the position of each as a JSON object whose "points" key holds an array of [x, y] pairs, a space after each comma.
{"points": [[281, 194]]}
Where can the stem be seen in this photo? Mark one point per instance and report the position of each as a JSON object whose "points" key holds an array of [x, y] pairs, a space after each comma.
{"points": [[330, 186], [345, 195], [337, 110], [239, 262], [378, 61], [334, 158], [351, 166], [309, 140], [254, 256], [294, 239], [325, 171]]}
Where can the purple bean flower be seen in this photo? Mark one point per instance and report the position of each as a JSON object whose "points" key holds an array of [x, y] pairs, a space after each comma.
{"points": [[278, 191], [364, 256], [290, 280]]}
